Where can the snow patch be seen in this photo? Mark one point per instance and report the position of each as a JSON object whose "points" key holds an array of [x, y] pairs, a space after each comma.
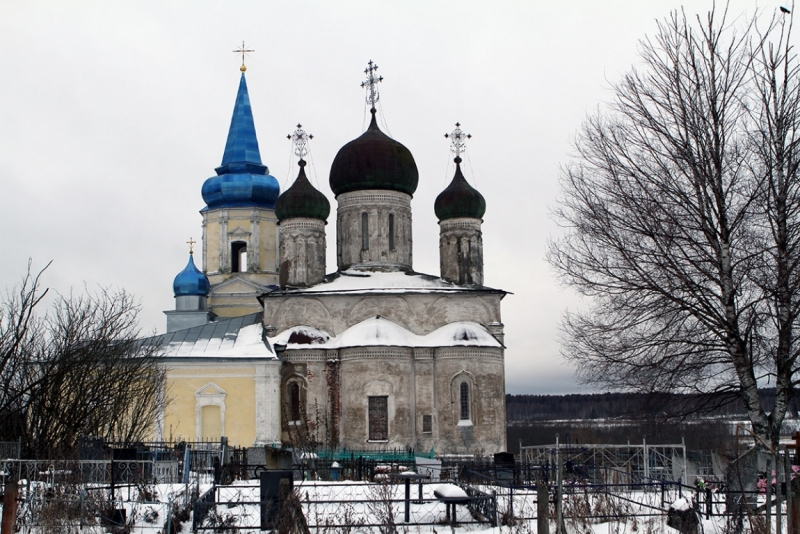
{"points": [[449, 491], [378, 331]]}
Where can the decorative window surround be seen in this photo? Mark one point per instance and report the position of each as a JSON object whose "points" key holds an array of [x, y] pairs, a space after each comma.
{"points": [[209, 395]]}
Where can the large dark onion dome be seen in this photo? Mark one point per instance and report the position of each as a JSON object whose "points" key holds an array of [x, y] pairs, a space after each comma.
{"points": [[459, 199], [242, 180], [191, 281], [302, 200], [374, 161]]}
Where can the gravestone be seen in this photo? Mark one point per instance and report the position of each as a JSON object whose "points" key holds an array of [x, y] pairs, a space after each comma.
{"points": [[275, 487]]}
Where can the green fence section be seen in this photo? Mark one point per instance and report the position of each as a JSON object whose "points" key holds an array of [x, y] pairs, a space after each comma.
{"points": [[385, 455]]}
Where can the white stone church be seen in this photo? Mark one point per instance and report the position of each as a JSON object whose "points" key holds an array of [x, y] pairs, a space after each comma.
{"points": [[265, 347]]}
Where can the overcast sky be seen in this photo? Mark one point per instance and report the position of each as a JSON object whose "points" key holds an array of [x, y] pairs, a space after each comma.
{"points": [[112, 114]]}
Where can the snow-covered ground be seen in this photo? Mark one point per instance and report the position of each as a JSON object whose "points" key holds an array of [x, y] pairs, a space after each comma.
{"points": [[331, 507]]}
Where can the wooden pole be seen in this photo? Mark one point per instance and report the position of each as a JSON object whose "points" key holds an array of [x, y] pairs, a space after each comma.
{"points": [[9, 507]]}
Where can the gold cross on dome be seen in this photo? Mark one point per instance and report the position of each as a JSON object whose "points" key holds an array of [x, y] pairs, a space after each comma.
{"points": [[458, 140], [242, 50], [371, 83], [191, 243]]}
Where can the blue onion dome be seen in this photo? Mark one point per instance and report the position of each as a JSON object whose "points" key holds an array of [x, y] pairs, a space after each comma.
{"points": [[459, 199], [302, 200], [374, 161], [191, 281], [242, 180]]}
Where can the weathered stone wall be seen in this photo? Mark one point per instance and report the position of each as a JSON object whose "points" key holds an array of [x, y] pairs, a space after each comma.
{"points": [[417, 382], [302, 251], [420, 313], [461, 250], [382, 252]]}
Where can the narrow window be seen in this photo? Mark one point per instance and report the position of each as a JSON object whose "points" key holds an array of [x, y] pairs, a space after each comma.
{"points": [[427, 424], [364, 231], [464, 401], [294, 396], [391, 231], [378, 418], [238, 257]]}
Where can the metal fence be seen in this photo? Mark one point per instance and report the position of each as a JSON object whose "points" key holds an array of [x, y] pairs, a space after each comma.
{"points": [[331, 507]]}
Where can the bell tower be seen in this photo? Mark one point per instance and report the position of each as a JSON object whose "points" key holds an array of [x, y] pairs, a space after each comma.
{"points": [[240, 242]]}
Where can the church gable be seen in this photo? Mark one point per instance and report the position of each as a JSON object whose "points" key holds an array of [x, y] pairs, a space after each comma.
{"points": [[237, 284]]}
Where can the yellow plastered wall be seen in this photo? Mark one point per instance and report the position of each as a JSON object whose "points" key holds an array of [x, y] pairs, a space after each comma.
{"points": [[238, 383], [258, 228]]}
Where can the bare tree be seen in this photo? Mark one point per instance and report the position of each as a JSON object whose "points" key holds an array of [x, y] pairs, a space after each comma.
{"points": [[80, 369], [681, 211]]}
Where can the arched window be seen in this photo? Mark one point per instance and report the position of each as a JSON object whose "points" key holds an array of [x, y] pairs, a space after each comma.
{"points": [[364, 231], [238, 257], [294, 401], [464, 400], [391, 231]]}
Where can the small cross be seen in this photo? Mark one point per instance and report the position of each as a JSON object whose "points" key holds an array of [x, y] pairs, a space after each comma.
{"points": [[371, 83], [300, 139], [242, 50], [458, 143], [191, 243]]}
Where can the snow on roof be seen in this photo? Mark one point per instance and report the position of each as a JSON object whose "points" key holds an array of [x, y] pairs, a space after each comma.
{"points": [[378, 331], [300, 336], [388, 282], [239, 337]]}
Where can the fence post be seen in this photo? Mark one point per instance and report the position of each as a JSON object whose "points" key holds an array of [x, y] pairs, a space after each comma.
{"points": [[709, 503], [778, 494], [9, 506], [407, 514], [542, 506], [788, 467], [511, 501], [768, 505], [559, 494]]}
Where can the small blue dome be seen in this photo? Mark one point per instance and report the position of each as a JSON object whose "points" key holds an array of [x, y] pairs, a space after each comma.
{"points": [[191, 281]]}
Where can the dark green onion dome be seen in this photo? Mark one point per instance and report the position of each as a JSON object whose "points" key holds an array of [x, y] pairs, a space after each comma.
{"points": [[459, 199], [374, 161], [302, 200]]}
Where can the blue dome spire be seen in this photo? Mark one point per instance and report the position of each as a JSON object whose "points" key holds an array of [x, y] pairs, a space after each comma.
{"points": [[242, 144], [242, 180], [191, 281]]}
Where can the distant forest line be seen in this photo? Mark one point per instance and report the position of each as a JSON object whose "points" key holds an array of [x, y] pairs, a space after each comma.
{"points": [[633, 406], [618, 418]]}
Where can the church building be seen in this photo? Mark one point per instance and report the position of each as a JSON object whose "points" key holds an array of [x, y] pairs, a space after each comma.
{"points": [[265, 347]]}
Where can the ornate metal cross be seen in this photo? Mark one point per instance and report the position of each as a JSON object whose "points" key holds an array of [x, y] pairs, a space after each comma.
{"points": [[300, 138], [458, 140], [371, 83], [191, 243], [242, 50]]}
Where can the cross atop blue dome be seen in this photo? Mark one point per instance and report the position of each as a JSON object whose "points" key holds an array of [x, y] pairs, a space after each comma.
{"points": [[242, 180]]}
